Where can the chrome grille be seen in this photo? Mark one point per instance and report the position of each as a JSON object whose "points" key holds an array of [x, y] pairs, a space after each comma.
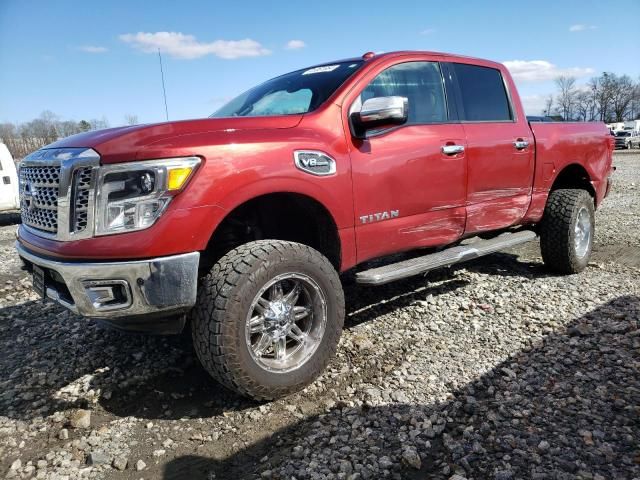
{"points": [[57, 192], [39, 192], [81, 198]]}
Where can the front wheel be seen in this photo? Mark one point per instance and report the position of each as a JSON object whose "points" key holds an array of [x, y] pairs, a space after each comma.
{"points": [[268, 318], [567, 229]]}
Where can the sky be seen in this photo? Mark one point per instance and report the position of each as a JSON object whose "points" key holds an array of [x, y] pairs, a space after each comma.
{"points": [[89, 59]]}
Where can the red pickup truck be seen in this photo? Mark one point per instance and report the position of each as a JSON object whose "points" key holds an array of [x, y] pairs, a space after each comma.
{"points": [[241, 223]]}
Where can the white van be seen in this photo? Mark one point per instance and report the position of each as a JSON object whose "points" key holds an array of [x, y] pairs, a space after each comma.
{"points": [[633, 125], [9, 191]]}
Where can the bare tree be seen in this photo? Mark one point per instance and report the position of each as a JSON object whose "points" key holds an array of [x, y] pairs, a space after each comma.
{"points": [[616, 98], [582, 105], [602, 88], [99, 123], [22, 139], [68, 127], [7, 130], [566, 97], [593, 112], [9, 136], [130, 119], [44, 127], [548, 105], [621, 96], [634, 113]]}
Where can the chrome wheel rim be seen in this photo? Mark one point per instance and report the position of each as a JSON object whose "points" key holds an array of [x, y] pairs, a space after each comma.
{"points": [[582, 232], [286, 322]]}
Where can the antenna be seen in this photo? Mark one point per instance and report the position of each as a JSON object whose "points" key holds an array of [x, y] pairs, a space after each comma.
{"points": [[164, 92]]}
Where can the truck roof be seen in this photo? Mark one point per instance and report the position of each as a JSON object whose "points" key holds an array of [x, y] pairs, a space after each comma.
{"points": [[399, 53]]}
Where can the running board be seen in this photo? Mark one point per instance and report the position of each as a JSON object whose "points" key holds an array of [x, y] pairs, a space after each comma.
{"points": [[450, 256]]}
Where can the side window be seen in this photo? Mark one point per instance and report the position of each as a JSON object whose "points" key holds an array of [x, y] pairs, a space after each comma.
{"points": [[483, 94], [420, 82]]}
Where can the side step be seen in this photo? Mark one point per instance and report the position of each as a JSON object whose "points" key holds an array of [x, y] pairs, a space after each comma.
{"points": [[450, 256]]}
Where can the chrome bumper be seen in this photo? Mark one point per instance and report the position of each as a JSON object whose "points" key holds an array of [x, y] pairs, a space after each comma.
{"points": [[120, 289]]}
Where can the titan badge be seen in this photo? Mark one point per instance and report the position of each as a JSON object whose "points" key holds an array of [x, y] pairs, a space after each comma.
{"points": [[379, 216]]}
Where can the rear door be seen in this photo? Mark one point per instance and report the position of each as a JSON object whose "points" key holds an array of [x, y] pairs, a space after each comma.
{"points": [[499, 150], [407, 192]]}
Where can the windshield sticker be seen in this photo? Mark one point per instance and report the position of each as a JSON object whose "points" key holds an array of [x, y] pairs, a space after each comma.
{"points": [[326, 68]]}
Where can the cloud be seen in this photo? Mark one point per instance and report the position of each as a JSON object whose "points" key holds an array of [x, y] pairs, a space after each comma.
{"points": [[534, 104], [92, 49], [579, 27], [428, 31], [295, 44], [542, 70], [186, 47]]}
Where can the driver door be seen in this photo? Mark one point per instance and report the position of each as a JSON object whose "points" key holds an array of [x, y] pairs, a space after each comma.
{"points": [[408, 193]]}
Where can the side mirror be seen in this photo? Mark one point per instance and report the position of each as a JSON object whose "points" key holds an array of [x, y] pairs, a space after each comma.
{"points": [[380, 111]]}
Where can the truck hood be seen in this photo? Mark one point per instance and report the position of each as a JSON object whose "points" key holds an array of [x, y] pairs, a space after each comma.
{"points": [[116, 144]]}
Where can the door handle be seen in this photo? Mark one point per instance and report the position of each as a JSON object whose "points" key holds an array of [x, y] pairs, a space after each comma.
{"points": [[452, 149], [520, 144]]}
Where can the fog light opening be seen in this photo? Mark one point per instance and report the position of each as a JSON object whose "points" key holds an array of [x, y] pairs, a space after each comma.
{"points": [[108, 294]]}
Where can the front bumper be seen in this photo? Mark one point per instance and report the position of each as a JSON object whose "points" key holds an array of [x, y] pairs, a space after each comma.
{"points": [[110, 290]]}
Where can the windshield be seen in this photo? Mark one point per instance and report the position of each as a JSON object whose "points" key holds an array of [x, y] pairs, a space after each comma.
{"points": [[297, 92], [623, 134]]}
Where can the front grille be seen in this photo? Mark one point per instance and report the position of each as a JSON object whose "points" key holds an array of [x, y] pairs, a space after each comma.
{"points": [[57, 192], [81, 198], [39, 191]]}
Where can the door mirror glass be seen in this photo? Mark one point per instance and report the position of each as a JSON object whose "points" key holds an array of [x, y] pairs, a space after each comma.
{"points": [[380, 111]]}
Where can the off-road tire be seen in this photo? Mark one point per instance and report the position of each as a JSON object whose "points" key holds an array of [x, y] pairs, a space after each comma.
{"points": [[224, 298], [557, 233]]}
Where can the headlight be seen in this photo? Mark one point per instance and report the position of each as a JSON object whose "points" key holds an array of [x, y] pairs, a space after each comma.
{"points": [[132, 196]]}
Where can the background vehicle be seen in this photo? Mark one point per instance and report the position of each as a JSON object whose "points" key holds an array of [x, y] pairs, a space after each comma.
{"points": [[243, 221], [623, 138], [634, 140], [8, 181], [632, 125], [536, 118]]}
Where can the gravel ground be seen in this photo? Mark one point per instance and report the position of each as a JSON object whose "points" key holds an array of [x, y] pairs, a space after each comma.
{"points": [[491, 370], [10, 264]]}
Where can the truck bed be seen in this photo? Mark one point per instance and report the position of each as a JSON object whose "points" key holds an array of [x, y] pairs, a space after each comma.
{"points": [[560, 144]]}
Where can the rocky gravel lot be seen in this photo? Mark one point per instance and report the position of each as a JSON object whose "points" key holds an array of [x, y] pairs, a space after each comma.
{"points": [[491, 370]]}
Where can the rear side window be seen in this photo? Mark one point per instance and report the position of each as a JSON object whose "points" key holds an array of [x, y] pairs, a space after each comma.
{"points": [[483, 94]]}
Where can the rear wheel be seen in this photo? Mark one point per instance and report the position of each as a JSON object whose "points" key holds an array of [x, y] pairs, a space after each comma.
{"points": [[567, 230], [268, 318]]}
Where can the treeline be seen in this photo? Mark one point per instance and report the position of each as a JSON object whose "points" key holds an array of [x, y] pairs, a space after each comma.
{"points": [[24, 138], [608, 98]]}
